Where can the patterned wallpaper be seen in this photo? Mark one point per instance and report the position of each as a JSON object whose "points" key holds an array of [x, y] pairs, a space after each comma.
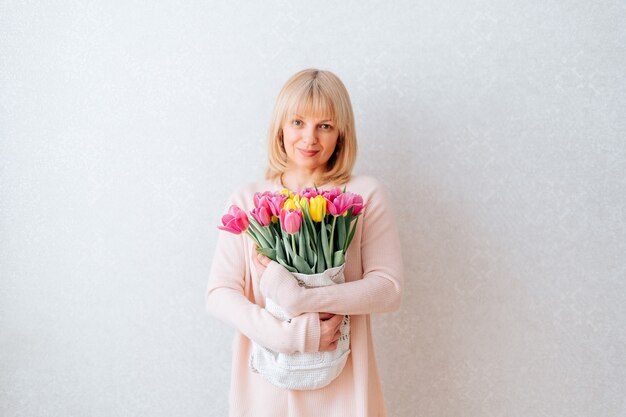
{"points": [[497, 126]]}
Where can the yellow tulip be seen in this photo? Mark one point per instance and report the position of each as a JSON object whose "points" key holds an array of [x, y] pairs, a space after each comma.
{"points": [[304, 203], [286, 192], [317, 208], [290, 204]]}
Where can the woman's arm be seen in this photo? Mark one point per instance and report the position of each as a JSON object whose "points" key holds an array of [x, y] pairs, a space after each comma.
{"points": [[379, 290], [226, 300]]}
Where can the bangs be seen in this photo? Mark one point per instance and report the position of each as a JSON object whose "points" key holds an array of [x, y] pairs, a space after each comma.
{"points": [[310, 101]]}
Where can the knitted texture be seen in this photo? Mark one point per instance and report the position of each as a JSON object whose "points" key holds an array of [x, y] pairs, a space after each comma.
{"points": [[374, 282], [303, 370]]}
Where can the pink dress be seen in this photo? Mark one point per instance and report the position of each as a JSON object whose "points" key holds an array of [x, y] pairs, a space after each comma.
{"points": [[374, 282]]}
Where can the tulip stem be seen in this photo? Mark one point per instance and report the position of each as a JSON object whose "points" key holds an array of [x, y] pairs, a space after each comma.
{"points": [[293, 243], [254, 238], [332, 232]]}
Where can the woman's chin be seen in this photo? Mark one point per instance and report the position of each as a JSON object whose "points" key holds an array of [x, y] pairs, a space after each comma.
{"points": [[310, 166]]}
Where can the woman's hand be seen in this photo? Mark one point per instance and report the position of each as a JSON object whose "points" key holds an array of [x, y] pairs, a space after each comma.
{"points": [[282, 285], [330, 324], [330, 331], [260, 262]]}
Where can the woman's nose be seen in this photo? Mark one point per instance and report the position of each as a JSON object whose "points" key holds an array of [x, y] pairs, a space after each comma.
{"points": [[309, 135]]}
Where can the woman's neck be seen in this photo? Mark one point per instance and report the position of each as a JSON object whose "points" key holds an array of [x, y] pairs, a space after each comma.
{"points": [[298, 181]]}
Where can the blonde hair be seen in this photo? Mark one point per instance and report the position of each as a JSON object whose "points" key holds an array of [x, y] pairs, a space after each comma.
{"points": [[316, 93]]}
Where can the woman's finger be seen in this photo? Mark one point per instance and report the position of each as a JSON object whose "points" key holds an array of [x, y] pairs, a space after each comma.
{"points": [[338, 319], [337, 336], [257, 261], [326, 316], [263, 260]]}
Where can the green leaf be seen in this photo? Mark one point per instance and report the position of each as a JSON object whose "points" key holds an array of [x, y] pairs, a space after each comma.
{"points": [[341, 231], [351, 235], [325, 247], [259, 233], [311, 256], [270, 253], [307, 247], [338, 258], [301, 248], [348, 221], [290, 253], [280, 252], [268, 232], [276, 231], [331, 243], [311, 227], [308, 223], [301, 265], [305, 208], [320, 265], [250, 233], [289, 268]]}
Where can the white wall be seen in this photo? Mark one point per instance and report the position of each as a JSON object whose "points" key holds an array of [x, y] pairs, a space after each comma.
{"points": [[498, 126]]}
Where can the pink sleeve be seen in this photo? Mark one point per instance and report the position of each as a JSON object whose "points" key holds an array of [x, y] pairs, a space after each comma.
{"points": [[378, 291], [226, 300]]}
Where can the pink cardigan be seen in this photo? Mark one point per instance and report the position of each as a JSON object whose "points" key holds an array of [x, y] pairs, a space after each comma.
{"points": [[374, 282]]}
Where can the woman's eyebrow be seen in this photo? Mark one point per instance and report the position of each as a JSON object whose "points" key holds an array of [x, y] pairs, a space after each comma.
{"points": [[321, 121]]}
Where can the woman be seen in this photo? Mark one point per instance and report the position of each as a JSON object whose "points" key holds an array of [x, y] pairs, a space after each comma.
{"points": [[311, 141]]}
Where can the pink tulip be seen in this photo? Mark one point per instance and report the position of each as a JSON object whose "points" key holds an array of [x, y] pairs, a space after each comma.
{"points": [[340, 204], [310, 192], [275, 203], [235, 221], [262, 215], [358, 205], [290, 220], [262, 200], [332, 193]]}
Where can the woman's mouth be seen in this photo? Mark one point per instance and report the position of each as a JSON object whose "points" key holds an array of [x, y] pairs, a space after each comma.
{"points": [[308, 153]]}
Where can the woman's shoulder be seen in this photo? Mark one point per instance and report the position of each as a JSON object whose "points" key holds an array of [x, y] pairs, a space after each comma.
{"points": [[365, 185], [374, 192], [364, 181], [243, 194]]}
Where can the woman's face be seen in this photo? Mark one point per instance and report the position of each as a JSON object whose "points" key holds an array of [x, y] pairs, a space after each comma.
{"points": [[309, 142]]}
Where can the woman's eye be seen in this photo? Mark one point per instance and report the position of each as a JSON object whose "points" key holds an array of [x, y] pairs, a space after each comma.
{"points": [[296, 122], [326, 126]]}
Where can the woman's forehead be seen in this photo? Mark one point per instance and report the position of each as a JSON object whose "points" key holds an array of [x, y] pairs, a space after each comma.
{"points": [[319, 111], [319, 118]]}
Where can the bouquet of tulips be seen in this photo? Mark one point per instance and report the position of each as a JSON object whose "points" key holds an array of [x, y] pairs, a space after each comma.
{"points": [[308, 233]]}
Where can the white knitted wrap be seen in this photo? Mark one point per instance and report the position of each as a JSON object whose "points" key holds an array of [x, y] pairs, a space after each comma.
{"points": [[303, 370]]}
